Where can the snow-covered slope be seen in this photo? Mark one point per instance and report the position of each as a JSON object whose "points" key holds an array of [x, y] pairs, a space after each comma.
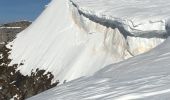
{"points": [[80, 37], [144, 77], [77, 38]]}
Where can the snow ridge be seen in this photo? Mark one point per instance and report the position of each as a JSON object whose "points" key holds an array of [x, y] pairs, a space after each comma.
{"points": [[81, 41], [74, 39], [126, 29]]}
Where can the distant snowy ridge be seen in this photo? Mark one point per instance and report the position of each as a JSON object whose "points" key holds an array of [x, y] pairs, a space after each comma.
{"points": [[9, 27], [8, 31]]}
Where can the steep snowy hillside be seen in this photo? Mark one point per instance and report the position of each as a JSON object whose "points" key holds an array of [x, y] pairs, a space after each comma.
{"points": [[82, 37], [145, 77], [78, 38]]}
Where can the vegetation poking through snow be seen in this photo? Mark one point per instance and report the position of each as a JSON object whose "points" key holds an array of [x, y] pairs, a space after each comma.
{"points": [[17, 86]]}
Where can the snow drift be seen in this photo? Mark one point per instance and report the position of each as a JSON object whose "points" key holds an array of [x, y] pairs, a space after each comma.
{"points": [[144, 77], [78, 38]]}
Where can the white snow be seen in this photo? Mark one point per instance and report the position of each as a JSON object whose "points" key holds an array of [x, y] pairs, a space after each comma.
{"points": [[145, 77], [72, 42], [80, 37], [14, 97]]}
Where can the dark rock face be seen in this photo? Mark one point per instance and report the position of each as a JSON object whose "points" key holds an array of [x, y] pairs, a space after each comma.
{"points": [[17, 86], [9, 31]]}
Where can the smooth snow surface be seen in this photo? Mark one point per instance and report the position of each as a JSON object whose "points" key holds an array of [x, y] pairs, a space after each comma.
{"points": [[80, 37]]}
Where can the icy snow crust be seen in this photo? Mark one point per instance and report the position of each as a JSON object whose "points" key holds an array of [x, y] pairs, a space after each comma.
{"points": [[78, 38]]}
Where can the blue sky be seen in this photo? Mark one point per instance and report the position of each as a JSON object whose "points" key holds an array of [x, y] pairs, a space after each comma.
{"points": [[14, 10]]}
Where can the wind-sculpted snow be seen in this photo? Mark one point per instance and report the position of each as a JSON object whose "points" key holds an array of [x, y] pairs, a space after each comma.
{"points": [[77, 38], [138, 13], [144, 77]]}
